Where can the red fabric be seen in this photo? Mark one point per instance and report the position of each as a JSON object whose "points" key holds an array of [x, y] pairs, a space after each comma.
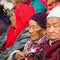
{"points": [[23, 13], [28, 2], [30, 59]]}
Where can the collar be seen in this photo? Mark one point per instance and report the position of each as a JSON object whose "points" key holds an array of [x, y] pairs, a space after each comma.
{"points": [[41, 40], [51, 42]]}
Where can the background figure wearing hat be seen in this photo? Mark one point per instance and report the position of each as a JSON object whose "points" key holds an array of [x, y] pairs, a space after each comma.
{"points": [[52, 46], [44, 2], [52, 4], [38, 6], [37, 26], [17, 34]]}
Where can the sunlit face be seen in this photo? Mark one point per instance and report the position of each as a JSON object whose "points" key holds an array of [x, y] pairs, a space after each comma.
{"points": [[53, 28], [13, 18], [36, 32]]}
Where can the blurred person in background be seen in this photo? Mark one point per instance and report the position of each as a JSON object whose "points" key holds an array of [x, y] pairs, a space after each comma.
{"points": [[38, 6], [52, 4], [3, 20]]}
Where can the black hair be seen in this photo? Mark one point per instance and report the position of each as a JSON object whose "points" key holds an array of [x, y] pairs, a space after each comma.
{"points": [[3, 13]]}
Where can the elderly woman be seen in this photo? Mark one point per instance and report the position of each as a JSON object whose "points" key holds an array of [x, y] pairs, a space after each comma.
{"points": [[37, 26], [52, 46], [17, 33]]}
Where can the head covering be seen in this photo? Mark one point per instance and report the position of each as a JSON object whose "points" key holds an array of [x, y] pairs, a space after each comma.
{"points": [[23, 13], [40, 18], [55, 12], [27, 1], [38, 6]]}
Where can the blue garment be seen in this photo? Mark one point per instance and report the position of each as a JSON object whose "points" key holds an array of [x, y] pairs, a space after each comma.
{"points": [[38, 6]]}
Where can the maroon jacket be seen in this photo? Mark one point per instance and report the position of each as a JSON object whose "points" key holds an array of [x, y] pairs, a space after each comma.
{"points": [[52, 52], [49, 52]]}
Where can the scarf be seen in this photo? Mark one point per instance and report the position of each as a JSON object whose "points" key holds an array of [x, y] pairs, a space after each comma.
{"points": [[22, 20]]}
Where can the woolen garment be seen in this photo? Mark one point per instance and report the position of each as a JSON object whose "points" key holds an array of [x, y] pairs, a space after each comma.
{"points": [[55, 12], [40, 18], [49, 52], [31, 46], [34, 46], [22, 20], [38, 6], [52, 52], [21, 39]]}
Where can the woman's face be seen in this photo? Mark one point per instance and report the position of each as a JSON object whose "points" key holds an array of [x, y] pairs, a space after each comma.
{"points": [[13, 18], [53, 28], [36, 32]]}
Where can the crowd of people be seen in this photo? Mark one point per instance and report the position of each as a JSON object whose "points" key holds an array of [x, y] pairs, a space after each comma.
{"points": [[29, 30]]}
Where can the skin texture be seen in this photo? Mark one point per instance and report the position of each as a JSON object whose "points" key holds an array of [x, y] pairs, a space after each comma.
{"points": [[53, 28], [13, 19], [36, 32]]}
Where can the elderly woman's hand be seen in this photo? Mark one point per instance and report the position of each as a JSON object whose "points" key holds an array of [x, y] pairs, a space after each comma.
{"points": [[19, 55]]}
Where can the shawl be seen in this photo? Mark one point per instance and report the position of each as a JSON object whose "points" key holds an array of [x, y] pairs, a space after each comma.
{"points": [[22, 20]]}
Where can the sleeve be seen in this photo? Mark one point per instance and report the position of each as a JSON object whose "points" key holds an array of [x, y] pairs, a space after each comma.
{"points": [[11, 57], [22, 39], [2, 40], [18, 45]]}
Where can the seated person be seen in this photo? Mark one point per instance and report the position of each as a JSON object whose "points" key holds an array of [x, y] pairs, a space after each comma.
{"points": [[17, 34], [52, 46], [37, 26], [52, 4]]}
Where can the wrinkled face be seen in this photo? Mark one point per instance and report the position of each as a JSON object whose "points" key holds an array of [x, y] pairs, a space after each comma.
{"points": [[36, 32], [53, 28], [50, 2], [13, 18]]}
